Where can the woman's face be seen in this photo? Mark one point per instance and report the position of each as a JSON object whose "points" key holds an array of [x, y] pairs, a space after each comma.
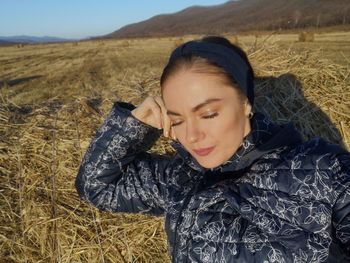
{"points": [[208, 117]]}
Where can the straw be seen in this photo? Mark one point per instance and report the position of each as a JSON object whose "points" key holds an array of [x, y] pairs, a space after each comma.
{"points": [[42, 217]]}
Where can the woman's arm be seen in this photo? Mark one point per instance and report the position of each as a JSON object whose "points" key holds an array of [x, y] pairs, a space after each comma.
{"points": [[116, 173], [341, 209]]}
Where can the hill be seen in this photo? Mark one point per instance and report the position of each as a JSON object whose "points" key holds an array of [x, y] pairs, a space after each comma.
{"points": [[240, 16], [33, 39], [4, 42]]}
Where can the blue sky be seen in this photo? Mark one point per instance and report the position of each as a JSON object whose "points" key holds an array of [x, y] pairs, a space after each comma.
{"points": [[82, 18]]}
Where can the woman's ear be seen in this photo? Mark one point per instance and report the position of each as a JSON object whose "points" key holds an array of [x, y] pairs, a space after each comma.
{"points": [[248, 110]]}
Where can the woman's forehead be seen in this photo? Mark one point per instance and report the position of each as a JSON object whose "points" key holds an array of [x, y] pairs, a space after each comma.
{"points": [[196, 87], [194, 97], [197, 107], [192, 81]]}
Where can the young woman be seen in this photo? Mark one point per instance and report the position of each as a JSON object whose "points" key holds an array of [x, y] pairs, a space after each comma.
{"points": [[240, 188]]}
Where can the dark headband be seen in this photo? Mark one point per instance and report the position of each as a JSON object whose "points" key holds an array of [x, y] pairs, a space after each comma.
{"points": [[223, 56]]}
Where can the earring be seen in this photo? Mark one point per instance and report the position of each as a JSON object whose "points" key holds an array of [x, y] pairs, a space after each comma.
{"points": [[251, 114]]}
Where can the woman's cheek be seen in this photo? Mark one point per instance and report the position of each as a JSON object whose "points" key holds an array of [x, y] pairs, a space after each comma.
{"points": [[179, 133]]}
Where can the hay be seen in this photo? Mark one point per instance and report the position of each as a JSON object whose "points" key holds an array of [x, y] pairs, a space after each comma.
{"points": [[306, 36], [42, 216], [41, 146], [233, 39], [178, 41], [305, 89]]}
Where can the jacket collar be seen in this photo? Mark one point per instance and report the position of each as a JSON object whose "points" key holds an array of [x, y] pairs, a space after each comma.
{"points": [[264, 137]]}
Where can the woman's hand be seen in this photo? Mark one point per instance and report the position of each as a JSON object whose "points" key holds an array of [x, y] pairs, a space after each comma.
{"points": [[152, 112]]}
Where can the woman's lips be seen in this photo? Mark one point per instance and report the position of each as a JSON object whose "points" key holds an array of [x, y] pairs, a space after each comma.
{"points": [[204, 151]]}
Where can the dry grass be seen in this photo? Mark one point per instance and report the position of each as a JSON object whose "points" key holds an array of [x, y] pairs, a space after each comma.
{"points": [[306, 36], [46, 123]]}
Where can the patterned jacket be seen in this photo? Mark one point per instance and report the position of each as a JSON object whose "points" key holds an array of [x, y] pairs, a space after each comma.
{"points": [[277, 199]]}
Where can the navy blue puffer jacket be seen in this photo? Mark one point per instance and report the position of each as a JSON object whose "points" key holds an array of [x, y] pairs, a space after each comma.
{"points": [[277, 199]]}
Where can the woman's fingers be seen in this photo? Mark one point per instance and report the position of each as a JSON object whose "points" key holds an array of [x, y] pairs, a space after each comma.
{"points": [[149, 112], [153, 112], [165, 118], [172, 133], [156, 113]]}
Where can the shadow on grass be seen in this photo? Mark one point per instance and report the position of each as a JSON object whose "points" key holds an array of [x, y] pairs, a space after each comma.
{"points": [[282, 99], [17, 81]]}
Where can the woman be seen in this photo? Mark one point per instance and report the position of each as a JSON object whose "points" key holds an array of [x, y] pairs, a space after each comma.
{"points": [[240, 188]]}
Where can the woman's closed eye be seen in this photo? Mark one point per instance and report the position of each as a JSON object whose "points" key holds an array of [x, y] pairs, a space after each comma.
{"points": [[210, 115], [175, 123]]}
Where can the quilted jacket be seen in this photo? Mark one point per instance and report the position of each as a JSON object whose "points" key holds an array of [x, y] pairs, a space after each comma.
{"points": [[277, 199]]}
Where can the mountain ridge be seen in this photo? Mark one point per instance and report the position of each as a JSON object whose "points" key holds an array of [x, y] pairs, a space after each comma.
{"points": [[241, 16], [32, 39]]}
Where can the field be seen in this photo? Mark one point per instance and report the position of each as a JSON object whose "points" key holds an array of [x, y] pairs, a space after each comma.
{"points": [[53, 97]]}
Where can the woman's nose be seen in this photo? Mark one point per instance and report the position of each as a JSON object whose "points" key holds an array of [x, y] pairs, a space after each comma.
{"points": [[193, 133]]}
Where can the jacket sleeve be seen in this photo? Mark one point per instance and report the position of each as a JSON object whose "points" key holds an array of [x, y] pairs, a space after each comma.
{"points": [[341, 209], [116, 173]]}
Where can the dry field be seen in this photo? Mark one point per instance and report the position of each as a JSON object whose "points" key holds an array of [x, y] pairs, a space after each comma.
{"points": [[54, 96]]}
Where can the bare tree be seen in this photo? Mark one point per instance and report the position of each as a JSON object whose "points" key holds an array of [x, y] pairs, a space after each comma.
{"points": [[318, 20], [345, 15], [297, 15]]}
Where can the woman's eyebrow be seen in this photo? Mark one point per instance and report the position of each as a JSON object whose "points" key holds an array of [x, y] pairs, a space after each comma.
{"points": [[197, 107], [201, 105]]}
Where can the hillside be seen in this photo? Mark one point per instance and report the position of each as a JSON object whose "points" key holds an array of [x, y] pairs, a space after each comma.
{"points": [[240, 16], [4, 42], [32, 39]]}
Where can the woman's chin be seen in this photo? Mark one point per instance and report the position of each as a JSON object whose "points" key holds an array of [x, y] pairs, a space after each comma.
{"points": [[209, 163]]}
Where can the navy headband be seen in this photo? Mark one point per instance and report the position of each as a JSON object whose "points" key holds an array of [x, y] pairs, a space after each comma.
{"points": [[223, 56]]}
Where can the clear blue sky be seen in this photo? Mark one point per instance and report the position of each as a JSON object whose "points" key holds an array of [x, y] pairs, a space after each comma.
{"points": [[82, 18]]}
